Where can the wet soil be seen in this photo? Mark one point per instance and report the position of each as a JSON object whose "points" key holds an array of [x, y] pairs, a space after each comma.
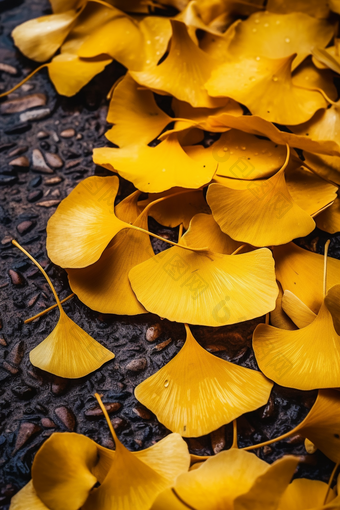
{"points": [[34, 404]]}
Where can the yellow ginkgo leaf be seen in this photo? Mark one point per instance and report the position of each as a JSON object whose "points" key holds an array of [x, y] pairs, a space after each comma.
{"points": [[128, 209], [40, 38], [296, 310], [332, 301], [308, 76], [69, 73], [27, 499], [304, 359], [266, 87], [334, 5], [308, 190], [203, 229], [315, 8], [329, 219], [84, 223], [255, 125], [206, 288], [164, 164], [301, 272], [242, 156], [261, 213], [278, 317], [183, 73], [135, 480], [62, 471], [65, 5], [68, 351], [304, 494], [231, 479], [331, 61], [137, 118], [271, 35], [178, 208], [196, 392]]}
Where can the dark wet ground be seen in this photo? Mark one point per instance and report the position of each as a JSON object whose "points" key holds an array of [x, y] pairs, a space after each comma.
{"points": [[34, 404]]}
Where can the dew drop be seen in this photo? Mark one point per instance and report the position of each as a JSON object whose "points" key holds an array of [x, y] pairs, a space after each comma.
{"points": [[148, 42], [274, 78], [163, 170], [258, 58], [264, 151], [278, 22], [266, 25], [166, 383], [257, 20], [243, 148], [287, 40], [231, 152], [252, 78], [225, 149], [254, 30], [147, 61], [256, 153]]}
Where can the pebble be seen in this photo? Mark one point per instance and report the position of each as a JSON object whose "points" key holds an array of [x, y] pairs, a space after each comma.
{"points": [[7, 181], [54, 160], [42, 134], [153, 332], [8, 69], [22, 161], [6, 240], [3, 342], [25, 226], [142, 413], [39, 164], [33, 300], [55, 193], [73, 163], [9, 368], [218, 441], [17, 278], [17, 353], [17, 151], [26, 431], [34, 195], [68, 133], [267, 450], [96, 411], [118, 423], [21, 104], [35, 182], [53, 180], [59, 385], [38, 114], [24, 392], [47, 423], [49, 203], [67, 417], [137, 365]]}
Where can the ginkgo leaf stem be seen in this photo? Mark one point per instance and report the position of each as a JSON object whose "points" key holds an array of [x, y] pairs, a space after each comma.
{"points": [[118, 444], [166, 240], [43, 272], [27, 321], [330, 482], [181, 500], [180, 231], [238, 249], [235, 443], [23, 81], [270, 441], [325, 268]]}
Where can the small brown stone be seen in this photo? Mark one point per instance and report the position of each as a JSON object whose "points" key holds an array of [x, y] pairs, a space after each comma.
{"points": [[21, 104], [68, 133], [218, 441], [54, 160], [137, 365], [33, 300], [162, 345], [26, 431], [67, 417], [17, 278], [38, 114], [3, 342], [39, 164], [12, 370], [73, 163], [55, 193], [25, 226], [8, 69], [46, 422], [17, 353], [118, 423], [296, 439], [21, 161], [142, 413], [18, 151], [6, 240], [267, 450], [153, 332], [96, 411], [48, 203], [52, 181], [216, 348], [42, 134], [59, 385]]}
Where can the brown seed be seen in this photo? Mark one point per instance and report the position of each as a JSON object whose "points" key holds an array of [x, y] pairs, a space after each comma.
{"points": [[17, 353], [10, 368], [51, 181], [296, 439], [48, 203], [162, 345], [17, 151], [68, 133], [21, 104], [33, 300], [153, 332], [118, 423], [73, 163], [6, 240], [17, 278], [54, 160], [142, 413], [42, 134], [21, 161], [46, 422], [59, 385], [41, 113], [25, 226], [3, 342], [137, 365], [267, 450], [8, 69], [67, 417], [96, 411], [26, 431], [39, 164], [218, 439]]}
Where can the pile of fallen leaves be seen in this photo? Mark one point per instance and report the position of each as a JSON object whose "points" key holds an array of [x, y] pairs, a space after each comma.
{"points": [[260, 81]]}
